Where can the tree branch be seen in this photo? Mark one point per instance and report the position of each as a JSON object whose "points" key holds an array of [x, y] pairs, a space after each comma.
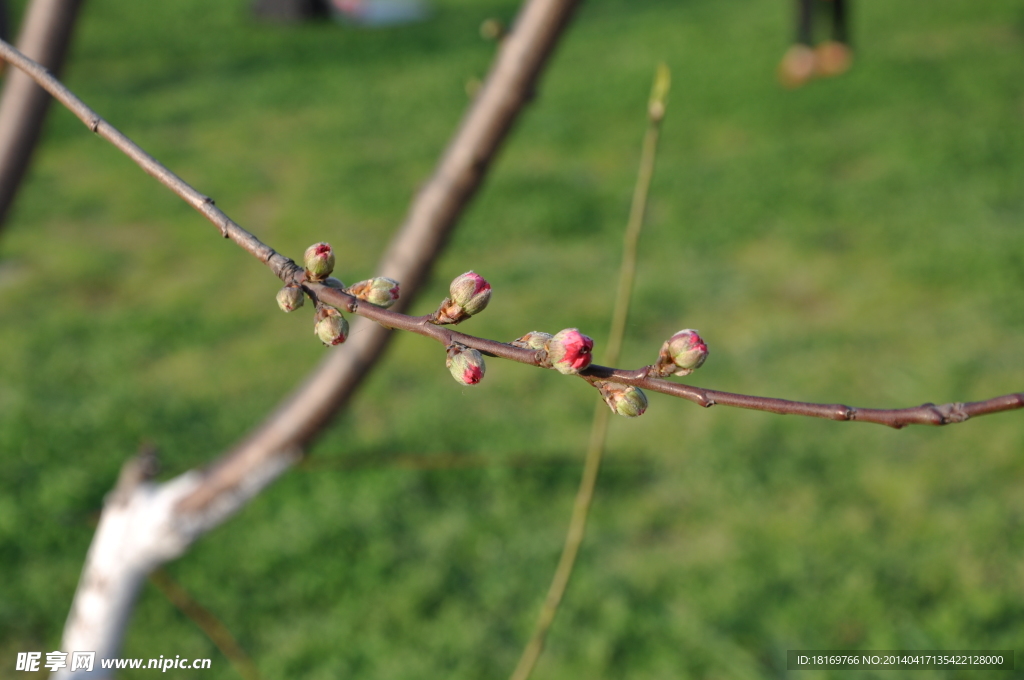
{"points": [[926, 414], [299, 419]]}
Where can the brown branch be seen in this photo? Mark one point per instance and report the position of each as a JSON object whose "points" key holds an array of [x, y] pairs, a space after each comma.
{"points": [[926, 414], [299, 419]]}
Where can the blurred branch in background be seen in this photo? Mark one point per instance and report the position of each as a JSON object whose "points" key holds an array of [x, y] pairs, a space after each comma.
{"points": [[216, 631], [149, 524], [45, 36], [599, 429]]}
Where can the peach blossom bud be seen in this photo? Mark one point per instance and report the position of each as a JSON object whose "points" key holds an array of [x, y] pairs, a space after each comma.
{"points": [[466, 365], [331, 327], [290, 298], [569, 351], [625, 400], [532, 340], [380, 291], [471, 292], [319, 261], [682, 354]]}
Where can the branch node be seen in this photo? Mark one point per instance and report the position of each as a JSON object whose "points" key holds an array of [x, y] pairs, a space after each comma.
{"points": [[951, 413], [95, 124], [138, 469]]}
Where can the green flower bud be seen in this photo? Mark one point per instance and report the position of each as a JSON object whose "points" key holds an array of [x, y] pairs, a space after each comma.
{"points": [[624, 400], [290, 298], [319, 261], [682, 354], [380, 291], [532, 340], [466, 365], [471, 292], [331, 327]]}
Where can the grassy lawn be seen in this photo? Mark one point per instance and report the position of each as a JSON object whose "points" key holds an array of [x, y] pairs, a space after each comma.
{"points": [[858, 240]]}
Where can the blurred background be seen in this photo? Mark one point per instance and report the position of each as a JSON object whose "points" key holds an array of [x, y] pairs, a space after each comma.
{"points": [[857, 240]]}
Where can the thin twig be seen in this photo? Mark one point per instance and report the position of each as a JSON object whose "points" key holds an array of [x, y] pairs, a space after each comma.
{"points": [[207, 622], [428, 203], [599, 428]]}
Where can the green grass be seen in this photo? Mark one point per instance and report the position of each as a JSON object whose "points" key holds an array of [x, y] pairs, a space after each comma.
{"points": [[858, 240]]}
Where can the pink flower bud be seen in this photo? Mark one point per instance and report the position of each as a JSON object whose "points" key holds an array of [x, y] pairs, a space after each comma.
{"points": [[331, 327], [466, 365], [569, 351], [319, 261], [290, 298], [471, 292], [625, 400], [380, 291], [532, 340], [682, 354]]}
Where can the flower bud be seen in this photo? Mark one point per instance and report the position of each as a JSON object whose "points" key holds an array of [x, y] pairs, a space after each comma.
{"points": [[471, 292], [466, 365], [569, 351], [290, 298], [332, 282], [319, 261], [331, 327], [532, 340], [380, 291], [625, 400], [682, 354]]}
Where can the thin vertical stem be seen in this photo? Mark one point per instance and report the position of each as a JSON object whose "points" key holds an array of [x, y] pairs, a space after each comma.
{"points": [[599, 428]]}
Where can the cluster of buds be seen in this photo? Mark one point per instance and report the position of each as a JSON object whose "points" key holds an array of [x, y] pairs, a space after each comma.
{"points": [[624, 400], [567, 351], [682, 354], [469, 295], [380, 291], [466, 364], [331, 326]]}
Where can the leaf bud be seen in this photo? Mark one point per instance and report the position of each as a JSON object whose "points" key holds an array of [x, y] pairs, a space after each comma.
{"points": [[319, 261], [682, 354], [569, 351], [532, 340], [332, 282], [331, 326], [466, 365], [290, 298], [624, 400], [380, 291]]}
